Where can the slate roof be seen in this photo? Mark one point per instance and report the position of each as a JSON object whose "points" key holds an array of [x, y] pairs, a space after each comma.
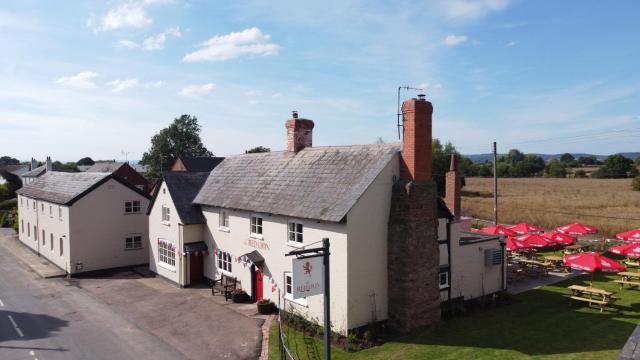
{"points": [[36, 172], [201, 164], [62, 188], [105, 167], [321, 183], [183, 187]]}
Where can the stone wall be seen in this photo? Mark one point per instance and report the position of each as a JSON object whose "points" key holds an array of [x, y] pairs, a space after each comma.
{"points": [[414, 257]]}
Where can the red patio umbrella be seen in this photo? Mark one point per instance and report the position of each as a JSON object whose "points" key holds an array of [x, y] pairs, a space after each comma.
{"points": [[632, 235], [592, 261], [632, 250], [533, 240], [497, 230], [558, 238], [515, 245], [577, 229], [525, 228]]}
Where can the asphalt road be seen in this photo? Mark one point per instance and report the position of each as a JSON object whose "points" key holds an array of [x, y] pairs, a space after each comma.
{"points": [[52, 319]]}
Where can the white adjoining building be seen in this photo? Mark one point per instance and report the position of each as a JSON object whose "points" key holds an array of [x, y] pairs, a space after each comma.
{"points": [[84, 221]]}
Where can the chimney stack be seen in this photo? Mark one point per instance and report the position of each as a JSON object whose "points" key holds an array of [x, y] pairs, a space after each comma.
{"points": [[453, 188], [299, 133], [416, 147], [49, 165], [33, 165]]}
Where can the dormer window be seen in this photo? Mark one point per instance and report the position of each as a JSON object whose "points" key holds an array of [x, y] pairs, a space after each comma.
{"points": [[256, 225]]}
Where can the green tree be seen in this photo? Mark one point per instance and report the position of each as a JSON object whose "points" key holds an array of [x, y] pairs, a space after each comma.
{"points": [[566, 158], [556, 169], [635, 184], [181, 138], [616, 167], [13, 182], [638, 161], [514, 156], [8, 160], [580, 174], [85, 161], [257, 149], [587, 160]]}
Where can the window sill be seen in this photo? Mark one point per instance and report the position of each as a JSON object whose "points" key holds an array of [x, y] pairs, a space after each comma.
{"points": [[165, 223], [225, 272], [224, 229], [133, 249], [256, 236], [443, 287], [294, 244], [166, 266], [132, 213], [301, 302]]}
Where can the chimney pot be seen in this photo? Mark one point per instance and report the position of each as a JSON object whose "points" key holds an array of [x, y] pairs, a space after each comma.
{"points": [[294, 114], [453, 188], [421, 97]]}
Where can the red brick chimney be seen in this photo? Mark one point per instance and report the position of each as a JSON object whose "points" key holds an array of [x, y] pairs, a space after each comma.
{"points": [[453, 188], [299, 133], [416, 149]]}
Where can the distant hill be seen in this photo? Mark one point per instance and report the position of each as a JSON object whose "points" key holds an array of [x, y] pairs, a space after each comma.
{"points": [[480, 158]]}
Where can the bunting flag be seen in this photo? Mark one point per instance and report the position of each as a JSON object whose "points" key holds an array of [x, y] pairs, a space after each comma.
{"points": [[215, 251], [273, 289]]}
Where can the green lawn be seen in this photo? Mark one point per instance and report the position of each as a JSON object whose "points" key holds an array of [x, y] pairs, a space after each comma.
{"points": [[539, 323]]}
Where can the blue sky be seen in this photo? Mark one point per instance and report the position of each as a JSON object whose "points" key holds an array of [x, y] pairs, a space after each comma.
{"points": [[98, 78]]}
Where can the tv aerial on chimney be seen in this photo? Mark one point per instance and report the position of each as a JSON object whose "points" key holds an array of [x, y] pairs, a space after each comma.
{"points": [[400, 88]]}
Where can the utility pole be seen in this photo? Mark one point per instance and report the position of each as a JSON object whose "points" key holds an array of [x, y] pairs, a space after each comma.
{"points": [[495, 184]]}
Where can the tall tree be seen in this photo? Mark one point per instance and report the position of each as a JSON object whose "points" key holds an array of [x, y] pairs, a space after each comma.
{"points": [[85, 161], [257, 149], [615, 166], [556, 169], [181, 138], [8, 160], [566, 158]]}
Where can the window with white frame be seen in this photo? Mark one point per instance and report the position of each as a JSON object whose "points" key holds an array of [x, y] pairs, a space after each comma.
{"points": [[166, 214], [166, 253], [61, 246], [132, 207], [60, 212], [51, 241], [21, 201], [22, 226], [35, 205], [443, 278], [35, 233], [224, 261], [133, 242], [42, 207], [288, 284], [50, 210], [28, 229], [295, 232], [256, 225], [224, 219], [44, 238]]}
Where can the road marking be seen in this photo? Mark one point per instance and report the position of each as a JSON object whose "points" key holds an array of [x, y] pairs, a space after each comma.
{"points": [[1, 303], [32, 353], [15, 326]]}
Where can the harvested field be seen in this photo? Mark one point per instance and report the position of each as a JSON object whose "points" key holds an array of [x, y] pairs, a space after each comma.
{"points": [[608, 204]]}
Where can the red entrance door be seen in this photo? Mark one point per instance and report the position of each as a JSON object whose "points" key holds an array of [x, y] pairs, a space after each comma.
{"points": [[259, 286]]}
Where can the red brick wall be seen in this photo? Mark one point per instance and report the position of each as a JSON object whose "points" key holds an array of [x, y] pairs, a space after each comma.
{"points": [[416, 151], [133, 177], [299, 134]]}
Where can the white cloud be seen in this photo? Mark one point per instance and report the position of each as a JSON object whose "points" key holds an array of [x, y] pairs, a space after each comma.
{"points": [[277, 95], [466, 10], [250, 93], [82, 80], [197, 90], [124, 43], [225, 47], [157, 42], [120, 85], [453, 40], [428, 86], [127, 15], [511, 43]]}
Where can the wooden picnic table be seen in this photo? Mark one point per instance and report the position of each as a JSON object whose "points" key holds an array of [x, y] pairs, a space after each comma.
{"points": [[632, 263], [592, 295], [571, 249], [629, 278], [557, 263], [544, 267]]}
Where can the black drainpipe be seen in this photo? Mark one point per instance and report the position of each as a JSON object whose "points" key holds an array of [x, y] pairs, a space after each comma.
{"points": [[449, 260]]}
